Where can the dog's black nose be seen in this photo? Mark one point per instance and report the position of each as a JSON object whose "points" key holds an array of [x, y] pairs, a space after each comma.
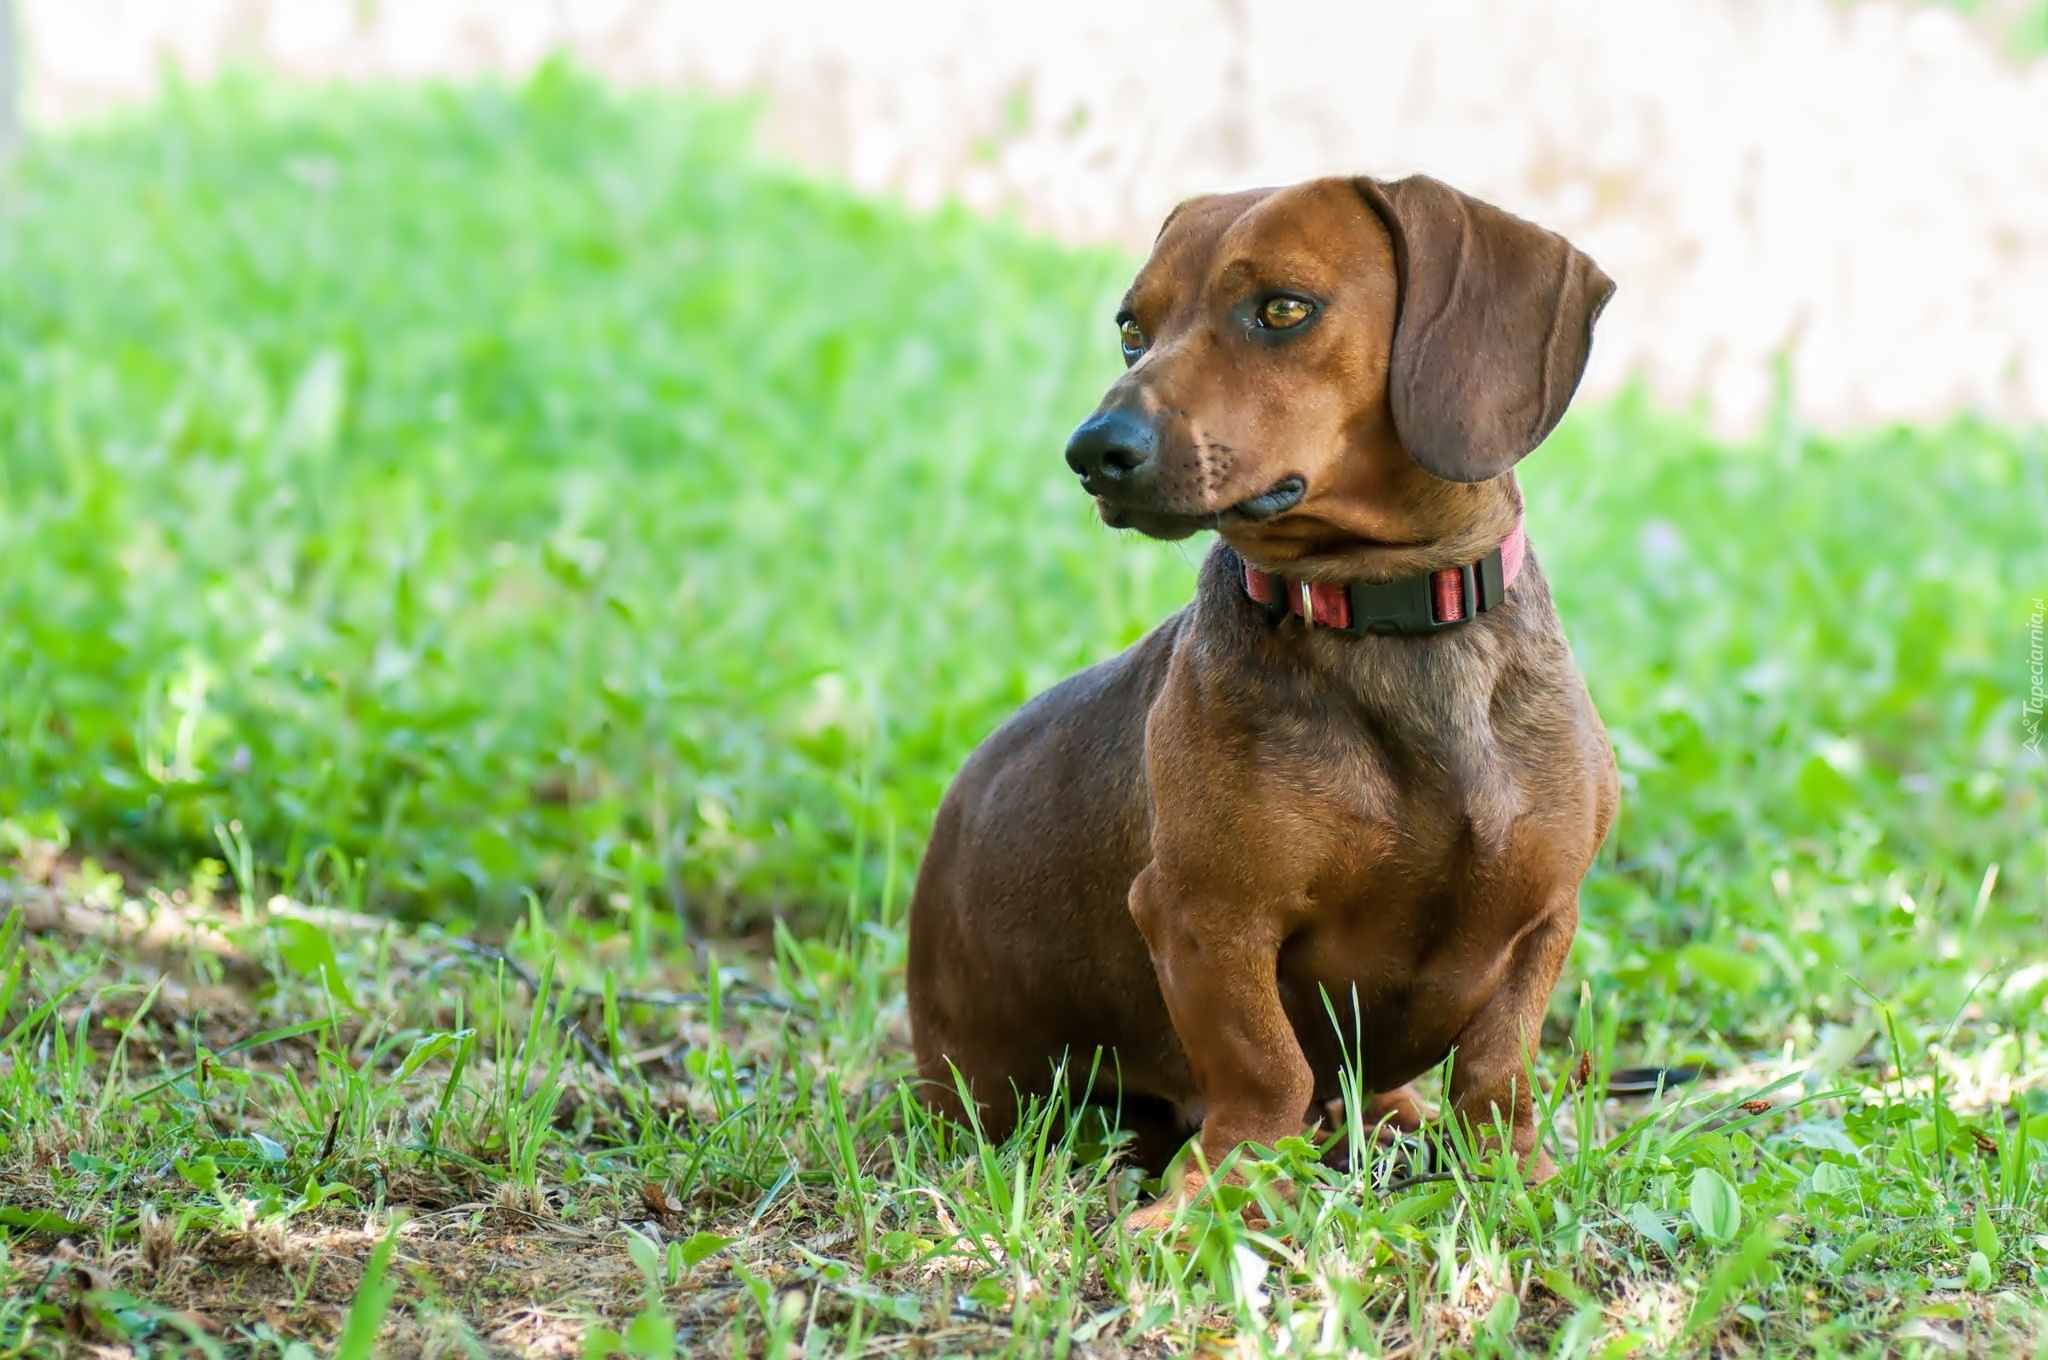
{"points": [[1110, 446]]}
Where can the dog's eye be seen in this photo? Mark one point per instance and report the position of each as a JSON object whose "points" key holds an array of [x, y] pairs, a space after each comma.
{"points": [[1131, 333], [1284, 313]]}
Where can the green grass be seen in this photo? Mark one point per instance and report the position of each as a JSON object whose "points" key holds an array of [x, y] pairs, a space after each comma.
{"points": [[528, 510], [506, 490]]}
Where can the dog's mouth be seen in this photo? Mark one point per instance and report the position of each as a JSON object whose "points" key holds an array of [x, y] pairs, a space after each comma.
{"points": [[1276, 499]]}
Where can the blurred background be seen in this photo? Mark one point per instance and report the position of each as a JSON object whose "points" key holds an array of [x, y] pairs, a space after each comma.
{"points": [[464, 458], [1849, 196]]}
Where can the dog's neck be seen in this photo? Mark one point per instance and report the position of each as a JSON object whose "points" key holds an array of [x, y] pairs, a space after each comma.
{"points": [[1421, 603]]}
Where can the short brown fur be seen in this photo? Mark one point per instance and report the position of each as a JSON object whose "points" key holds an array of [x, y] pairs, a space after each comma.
{"points": [[1171, 858]]}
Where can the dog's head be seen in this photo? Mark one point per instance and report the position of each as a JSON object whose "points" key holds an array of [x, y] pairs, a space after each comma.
{"points": [[1336, 375]]}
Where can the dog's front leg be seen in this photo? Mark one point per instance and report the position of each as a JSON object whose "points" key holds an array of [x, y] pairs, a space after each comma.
{"points": [[1492, 1071], [1217, 961]]}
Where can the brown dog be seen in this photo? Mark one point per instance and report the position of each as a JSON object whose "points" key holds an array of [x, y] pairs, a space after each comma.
{"points": [[1361, 766]]}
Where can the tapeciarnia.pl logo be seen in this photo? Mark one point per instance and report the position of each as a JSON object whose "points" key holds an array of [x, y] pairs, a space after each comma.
{"points": [[2036, 697]]}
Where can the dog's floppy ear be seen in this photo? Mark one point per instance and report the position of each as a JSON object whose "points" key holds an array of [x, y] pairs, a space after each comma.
{"points": [[1496, 319]]}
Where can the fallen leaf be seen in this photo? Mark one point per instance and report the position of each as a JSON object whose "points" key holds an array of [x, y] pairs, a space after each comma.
{"points": [[658, 1200]]}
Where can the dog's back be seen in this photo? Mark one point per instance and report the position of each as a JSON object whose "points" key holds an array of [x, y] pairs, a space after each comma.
{"points": [[1022, 948]]}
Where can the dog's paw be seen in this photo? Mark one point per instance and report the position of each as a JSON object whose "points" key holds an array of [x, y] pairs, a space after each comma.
{"points": [[1156, 1216], [1193, 1186], [1184, 1185]]}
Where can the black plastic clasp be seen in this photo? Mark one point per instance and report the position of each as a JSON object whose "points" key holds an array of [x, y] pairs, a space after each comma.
{"points": [[1409, 606], [1493, 586], [1405, 606]]}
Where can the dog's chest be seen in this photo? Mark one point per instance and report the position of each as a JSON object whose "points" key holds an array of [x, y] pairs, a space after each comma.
{"points": [[1425, 856], [1423, 782]]}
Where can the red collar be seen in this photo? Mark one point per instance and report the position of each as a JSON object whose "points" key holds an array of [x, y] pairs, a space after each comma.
{"points": [[1416, 604]]}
